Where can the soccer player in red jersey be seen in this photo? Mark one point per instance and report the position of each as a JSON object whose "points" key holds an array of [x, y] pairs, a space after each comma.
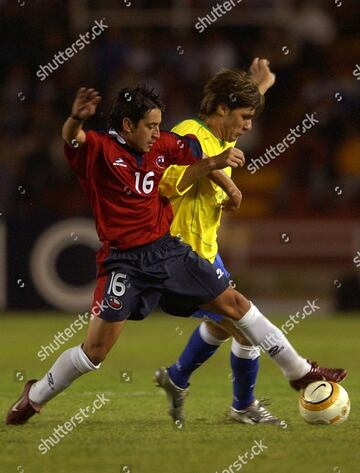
{"points": [[140, 266]]}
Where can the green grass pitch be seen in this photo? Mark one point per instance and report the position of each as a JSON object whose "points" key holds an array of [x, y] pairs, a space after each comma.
{"points": [[132, 432]]}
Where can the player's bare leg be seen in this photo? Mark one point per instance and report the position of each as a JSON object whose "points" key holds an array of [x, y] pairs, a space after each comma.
{"points": [[100, 338], [70, 365], [247, 318]]}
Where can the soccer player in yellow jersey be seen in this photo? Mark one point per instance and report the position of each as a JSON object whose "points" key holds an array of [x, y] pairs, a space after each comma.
{"points": [[231, 101], [226, 112]]}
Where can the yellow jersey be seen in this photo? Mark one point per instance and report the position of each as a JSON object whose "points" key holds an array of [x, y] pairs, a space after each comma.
{"points": [[197, 211]]}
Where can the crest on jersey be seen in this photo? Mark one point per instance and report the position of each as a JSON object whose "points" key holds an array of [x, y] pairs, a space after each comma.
{"points": [[160, 162], [114, 303]]}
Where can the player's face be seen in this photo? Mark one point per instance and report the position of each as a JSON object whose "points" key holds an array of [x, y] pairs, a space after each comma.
{"points": [[146, 132], [237, 122]]}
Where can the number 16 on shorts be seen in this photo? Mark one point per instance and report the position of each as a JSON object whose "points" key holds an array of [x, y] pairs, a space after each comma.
{"points": [[118, 284], [114, 296]]}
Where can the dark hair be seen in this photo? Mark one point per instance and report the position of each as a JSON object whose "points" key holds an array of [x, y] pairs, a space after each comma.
{"points": [[232, 88], [133, 103]]}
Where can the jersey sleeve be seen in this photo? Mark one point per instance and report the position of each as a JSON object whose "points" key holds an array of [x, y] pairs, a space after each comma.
{"points": [[168, 185], [80, 158], [185, 150]]}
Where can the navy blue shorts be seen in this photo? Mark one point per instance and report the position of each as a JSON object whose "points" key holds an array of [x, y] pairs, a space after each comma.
{"points": [[167, 273]]}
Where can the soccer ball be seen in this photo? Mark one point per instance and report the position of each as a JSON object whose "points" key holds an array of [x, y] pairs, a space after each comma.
{"points": [[324, 402]]}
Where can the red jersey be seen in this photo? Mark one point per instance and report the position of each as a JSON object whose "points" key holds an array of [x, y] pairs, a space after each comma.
{"points": [[122, 184]]}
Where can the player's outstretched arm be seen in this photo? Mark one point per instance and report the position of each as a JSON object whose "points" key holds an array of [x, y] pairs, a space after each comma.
{"points": [[84, 107], [232, 157], [262, 74]]}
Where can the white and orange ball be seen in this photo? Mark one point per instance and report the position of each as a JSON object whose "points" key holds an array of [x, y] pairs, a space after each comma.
{"points": [[324, 402]]}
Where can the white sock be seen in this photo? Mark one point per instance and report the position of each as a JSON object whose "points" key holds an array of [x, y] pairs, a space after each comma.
{"points": [[70, 365], [208, 337], [245, 351], [260, 331]]}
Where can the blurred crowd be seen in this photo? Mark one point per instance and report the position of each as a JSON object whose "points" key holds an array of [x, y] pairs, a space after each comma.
{"points": [[313, 54]]}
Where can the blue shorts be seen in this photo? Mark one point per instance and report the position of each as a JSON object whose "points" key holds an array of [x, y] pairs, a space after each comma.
{"points": [[201, 313], [166, 273]]}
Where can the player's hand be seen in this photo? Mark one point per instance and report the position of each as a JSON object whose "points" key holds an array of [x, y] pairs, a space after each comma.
{"points": [[233, 201], [85, 103], [262, 74], [232, 157]]}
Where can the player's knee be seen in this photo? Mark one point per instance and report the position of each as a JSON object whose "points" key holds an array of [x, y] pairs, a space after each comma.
{"points": [[242, 304], [238, 305], [239, 337], [95, 353], [216, 331], [97, 357]]}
